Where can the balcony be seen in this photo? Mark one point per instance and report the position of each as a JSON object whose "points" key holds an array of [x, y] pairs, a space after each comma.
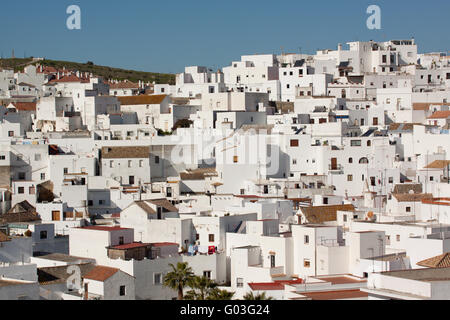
{"points": [[336, 169]]}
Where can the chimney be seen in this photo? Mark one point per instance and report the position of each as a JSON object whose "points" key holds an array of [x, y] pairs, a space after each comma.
{"points": [[86, 291]]}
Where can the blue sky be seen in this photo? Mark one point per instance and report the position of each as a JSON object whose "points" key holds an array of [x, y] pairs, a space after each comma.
{"points": [[164, 36]]}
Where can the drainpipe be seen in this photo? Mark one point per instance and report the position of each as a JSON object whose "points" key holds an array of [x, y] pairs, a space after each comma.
{"points": [[86, 291]]}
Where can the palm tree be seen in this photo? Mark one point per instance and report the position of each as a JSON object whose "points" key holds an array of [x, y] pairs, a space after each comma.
{"points": [[178, 277], [218, 294], [201, 288], [258, 296]]}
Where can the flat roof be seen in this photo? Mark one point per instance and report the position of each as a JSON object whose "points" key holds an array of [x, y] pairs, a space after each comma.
{"points": [[426, 275]]}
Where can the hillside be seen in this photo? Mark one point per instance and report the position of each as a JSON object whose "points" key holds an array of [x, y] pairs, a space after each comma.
{"points": [[102, 71]]}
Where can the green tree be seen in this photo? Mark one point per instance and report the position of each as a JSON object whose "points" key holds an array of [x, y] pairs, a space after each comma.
{"points": [[201, 287], [218, 294], [258, 296], [179, 277]]}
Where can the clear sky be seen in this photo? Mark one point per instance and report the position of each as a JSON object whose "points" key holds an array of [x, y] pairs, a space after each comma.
{"points": [[164, 36]]}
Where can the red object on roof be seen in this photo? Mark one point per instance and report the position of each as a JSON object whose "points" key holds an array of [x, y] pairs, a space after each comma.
{"points": [[164, 244], [100, 228], [101, 273], [131, 246]]}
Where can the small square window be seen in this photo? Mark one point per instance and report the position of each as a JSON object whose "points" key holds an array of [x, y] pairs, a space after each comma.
{"points": [[306, 263]]}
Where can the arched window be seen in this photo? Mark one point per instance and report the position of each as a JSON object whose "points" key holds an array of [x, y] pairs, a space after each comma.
{"points": [[350, 160], [363, 160]]}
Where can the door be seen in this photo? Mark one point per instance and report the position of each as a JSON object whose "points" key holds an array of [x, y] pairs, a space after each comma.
{"points": [[333, 163], [56, 216], [131, 180]]}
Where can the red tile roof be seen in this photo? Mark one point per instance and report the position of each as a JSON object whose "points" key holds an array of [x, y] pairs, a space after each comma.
{"points": [[142, 100], [131, 246], [25, 106], [441, 261], [69, 78], [440, 115], [164, 244], [342, 280], [101, 273], [276, 285], [336, 295], [103, 228]]}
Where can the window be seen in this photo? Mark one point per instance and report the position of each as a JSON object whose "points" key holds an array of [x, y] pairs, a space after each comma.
{"points": [[37, 157], [90, 203], [364, 160], [235, 159], [306, 263], [294, 161], [375, 121], [197, 237], [207, 274], [239, 282], [355, 143], [345, 218], [42, 176], [130, 163], [10, 133], [21, 175], [408, 209], [350, 177], [2, 157], [122, 291], [141, 163], [111, 164], [121, 240], [350, 160], [398, 237], [157, 278], [391, 179], [66, 170], [156, 159], [43, 234], [306, 239], [369, 143], [21, 190], [294, 143], [211, 238], [101, 202], [32, 190]]}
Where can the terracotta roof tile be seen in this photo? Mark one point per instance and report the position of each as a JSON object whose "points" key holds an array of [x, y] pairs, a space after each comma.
{"points": [[123, 85], [335, 295], [414, 197], [320, 214], [438, 164], [440, 261], [25, 106], [142, 100], [101, 273], [440, 115], [125, 152]]}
